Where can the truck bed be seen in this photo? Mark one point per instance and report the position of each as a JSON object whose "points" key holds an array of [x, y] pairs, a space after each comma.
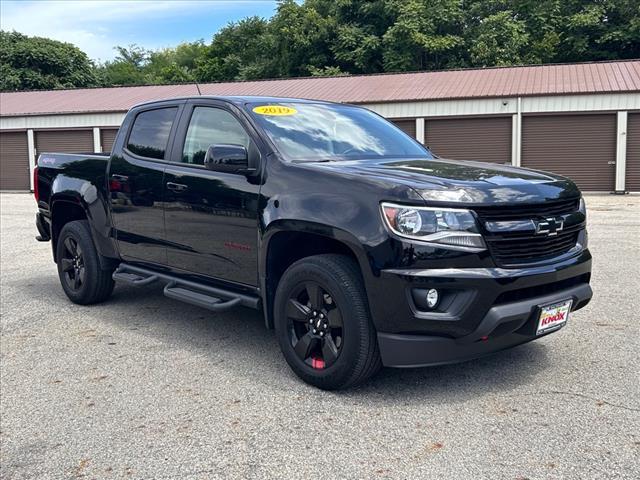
{"points": [[74, 168]]}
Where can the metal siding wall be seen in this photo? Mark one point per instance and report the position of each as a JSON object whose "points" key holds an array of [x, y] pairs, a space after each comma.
{"points": [[633, 153], [78, 120], [581, 147], [507, 105], [481, 139], [64, 141], [107, 137], [14, 161], [407, 126]]}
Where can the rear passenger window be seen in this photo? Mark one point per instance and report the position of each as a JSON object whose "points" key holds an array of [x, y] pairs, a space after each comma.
{"points": [[150, 133]]}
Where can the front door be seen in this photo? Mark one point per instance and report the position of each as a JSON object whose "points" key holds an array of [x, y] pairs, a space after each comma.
{"points": [[136, 185], [210, 217]]}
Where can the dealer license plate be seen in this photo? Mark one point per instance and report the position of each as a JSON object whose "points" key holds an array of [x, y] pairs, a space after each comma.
{"points": [[553, 316]]}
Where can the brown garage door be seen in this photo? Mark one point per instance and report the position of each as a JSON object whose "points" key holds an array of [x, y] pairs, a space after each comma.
{"points": [[407, 126], [632, 182], [107, 137], [581, 147], [14, 161], [481, 139], [64, 141]]}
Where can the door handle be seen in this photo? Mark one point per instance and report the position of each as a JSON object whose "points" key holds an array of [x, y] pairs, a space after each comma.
{"points": [[120, 178], [177, 187]]}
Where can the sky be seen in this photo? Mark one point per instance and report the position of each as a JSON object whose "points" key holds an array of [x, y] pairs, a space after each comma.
{"points": [[96, 26]]}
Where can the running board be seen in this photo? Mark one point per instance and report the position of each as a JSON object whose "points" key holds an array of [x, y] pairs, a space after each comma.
{"points": [[132, 278], [201, 295], [199, 299]]}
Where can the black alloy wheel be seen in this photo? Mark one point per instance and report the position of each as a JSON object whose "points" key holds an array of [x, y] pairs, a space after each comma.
{"points": [[315, 326], [322, 322], [80, 268], [72, 264]]}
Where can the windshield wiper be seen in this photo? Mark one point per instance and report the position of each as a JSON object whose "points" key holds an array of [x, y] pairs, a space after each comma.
{"points": [[321, 160]]}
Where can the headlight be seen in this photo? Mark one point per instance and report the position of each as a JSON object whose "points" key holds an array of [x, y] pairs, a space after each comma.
{"points": [[583, 209], [444, 226]]}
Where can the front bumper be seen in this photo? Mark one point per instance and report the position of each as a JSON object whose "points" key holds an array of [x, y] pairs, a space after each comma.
{"points": [[484, 310], [504, 326]]}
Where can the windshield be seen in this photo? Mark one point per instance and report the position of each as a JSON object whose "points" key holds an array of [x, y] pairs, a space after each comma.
{"points": [[316, 132]]}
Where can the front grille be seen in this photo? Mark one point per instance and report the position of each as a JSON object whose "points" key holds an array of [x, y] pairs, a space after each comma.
{"points": [[515, 250], [520, 212], [541, 290], [511, 249]]}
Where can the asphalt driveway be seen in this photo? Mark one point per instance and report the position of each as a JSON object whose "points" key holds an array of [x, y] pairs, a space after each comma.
{"points": [[146, 387]]}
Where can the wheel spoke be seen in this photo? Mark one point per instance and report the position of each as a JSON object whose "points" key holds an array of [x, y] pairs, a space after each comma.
{"points": [[81, 274], [67, 264], [305, 346], [329, 350], [335, 318], [70, 245], [316, 297], [297, 311], [76, 280]]}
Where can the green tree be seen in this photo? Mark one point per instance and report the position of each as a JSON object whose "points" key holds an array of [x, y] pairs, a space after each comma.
{"points": [[127, 68], [600, 30], [175, 65], [326, 72], [342, 37], [135, 65], [301, 38], [499, 39], [425, 35], [357, 44], [239, 51], [28, 63]]}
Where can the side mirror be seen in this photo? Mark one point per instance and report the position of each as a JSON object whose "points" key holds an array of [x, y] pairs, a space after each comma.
{"points": [[227, 158]]}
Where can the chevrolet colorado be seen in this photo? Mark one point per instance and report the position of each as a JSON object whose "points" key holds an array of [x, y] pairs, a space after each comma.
{"points": [[359, 246]]}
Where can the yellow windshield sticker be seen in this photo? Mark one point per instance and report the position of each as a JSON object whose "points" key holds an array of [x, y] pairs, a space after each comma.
{"points": [[274, 110]]}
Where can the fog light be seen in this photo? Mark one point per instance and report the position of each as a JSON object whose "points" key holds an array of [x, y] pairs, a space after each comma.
{"points": [[432, 297]]}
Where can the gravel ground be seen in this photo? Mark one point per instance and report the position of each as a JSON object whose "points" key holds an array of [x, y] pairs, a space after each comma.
{"points": [[146, 387]]}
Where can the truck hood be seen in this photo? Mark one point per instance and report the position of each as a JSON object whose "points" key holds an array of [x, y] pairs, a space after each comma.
{"points": [[455, 181]]}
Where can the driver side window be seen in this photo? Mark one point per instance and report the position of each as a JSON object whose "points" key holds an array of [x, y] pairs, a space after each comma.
{"points": [[208, 126]]}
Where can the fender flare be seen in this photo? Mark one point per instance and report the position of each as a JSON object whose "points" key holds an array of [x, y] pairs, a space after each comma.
{"points": [[86, 196], [312, 228], [308, 227]]}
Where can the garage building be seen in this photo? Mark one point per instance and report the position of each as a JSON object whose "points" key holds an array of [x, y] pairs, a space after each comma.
{"points": [[579, 120]]}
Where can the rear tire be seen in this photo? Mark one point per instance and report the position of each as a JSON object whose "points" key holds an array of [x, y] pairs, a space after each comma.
{"points": [[79, 270], [323, 323]]}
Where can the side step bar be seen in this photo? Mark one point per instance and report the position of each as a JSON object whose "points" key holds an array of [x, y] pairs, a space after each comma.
{"points": [[133, 278], [211, 298], [171, 290]]}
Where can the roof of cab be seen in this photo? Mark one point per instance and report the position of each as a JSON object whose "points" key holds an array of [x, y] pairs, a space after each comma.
{"points": [[236, 99]]}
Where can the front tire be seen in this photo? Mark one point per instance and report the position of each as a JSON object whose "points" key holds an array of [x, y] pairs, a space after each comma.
{"points": [[323, 324], [79, 270]]}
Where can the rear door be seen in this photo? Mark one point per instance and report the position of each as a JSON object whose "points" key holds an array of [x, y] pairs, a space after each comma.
{"points": [[579, 146], [632, 183], [14, 161], [64, 141], [136, 182], [211, 217], [485, 139], [107, 138]]}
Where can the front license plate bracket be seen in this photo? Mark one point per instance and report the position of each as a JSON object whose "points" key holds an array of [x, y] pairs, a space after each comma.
{"points": [[553, 316]]}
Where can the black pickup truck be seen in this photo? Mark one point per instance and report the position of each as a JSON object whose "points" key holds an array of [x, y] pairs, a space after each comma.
{"points": [[359, 246]]}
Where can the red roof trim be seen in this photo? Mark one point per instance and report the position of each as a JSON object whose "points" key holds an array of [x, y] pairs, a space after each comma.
{"points": [[580, 78]]}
